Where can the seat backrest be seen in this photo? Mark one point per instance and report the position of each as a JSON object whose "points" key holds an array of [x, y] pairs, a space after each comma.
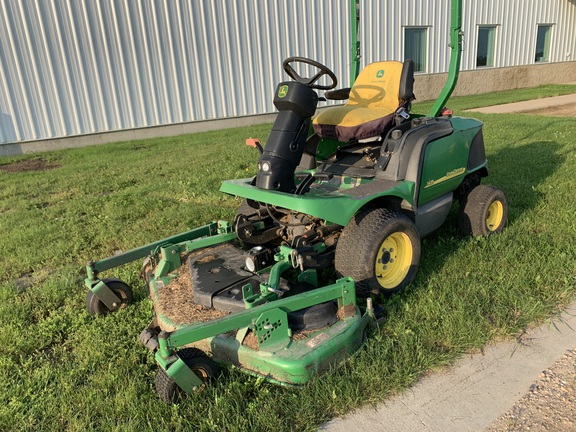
{"points": [[383, 85]]}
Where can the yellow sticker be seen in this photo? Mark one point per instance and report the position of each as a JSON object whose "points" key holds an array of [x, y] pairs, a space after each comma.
{"points": [[449, 175]]}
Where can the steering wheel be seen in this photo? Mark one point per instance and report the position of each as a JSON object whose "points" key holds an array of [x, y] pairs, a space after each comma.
{"points": [[323, 70]]}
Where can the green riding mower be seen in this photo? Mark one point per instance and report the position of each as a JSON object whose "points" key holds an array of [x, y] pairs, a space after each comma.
{"points": [[331, 221]]}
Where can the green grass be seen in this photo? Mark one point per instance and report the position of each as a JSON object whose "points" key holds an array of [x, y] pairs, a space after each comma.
{"points": [[61, 369]]}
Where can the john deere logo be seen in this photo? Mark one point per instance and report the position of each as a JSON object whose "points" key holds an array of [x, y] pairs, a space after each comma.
{"points": [[283, 91], [380, 73]]}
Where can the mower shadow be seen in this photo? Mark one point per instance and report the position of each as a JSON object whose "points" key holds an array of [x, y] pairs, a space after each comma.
{"points": [[517, 170]]}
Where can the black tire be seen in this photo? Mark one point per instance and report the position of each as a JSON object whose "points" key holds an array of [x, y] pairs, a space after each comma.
{"points": [[121, 289], [196, 360], [382, 235], [483, 211]]}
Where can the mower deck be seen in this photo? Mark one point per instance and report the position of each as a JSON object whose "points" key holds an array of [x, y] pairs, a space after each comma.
{"points": [[274, 339]]}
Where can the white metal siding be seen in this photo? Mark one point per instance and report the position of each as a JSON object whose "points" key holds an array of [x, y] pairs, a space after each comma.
{"points": [[517, 23], [71, 67]]}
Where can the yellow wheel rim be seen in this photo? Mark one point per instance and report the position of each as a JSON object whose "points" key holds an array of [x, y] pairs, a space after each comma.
{"points": [[494, 216], [393, 260]]}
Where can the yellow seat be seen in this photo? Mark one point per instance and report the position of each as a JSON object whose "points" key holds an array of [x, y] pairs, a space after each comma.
{"points": [[380, 89]]}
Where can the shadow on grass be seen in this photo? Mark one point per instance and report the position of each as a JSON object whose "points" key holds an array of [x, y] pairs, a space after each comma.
{"points": [[518, 170]]}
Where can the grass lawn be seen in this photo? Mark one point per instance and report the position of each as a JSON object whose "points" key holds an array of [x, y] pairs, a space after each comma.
{"points": [[62, 369]]}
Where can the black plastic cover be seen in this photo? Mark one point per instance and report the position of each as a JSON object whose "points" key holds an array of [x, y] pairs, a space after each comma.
{"points": [[406, 91], [285, 146], [217, 277]]}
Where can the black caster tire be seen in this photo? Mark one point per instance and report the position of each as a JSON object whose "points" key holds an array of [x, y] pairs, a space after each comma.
{"points": [[196, 360], [95, 306]]}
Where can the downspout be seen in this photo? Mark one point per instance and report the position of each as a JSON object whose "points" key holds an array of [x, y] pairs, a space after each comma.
{"points": [[455, 55]]}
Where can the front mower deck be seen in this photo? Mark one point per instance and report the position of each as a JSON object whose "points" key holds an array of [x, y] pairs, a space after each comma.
{"points": [[265, 339]]}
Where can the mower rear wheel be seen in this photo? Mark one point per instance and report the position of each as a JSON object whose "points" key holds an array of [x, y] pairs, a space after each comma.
{"points": [[95, 306], [483, 212], [380, 250], [198, 362]]}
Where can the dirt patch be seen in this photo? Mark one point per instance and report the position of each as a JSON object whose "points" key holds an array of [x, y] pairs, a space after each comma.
{"points": [[176, 301], [29, 165], [550, 404], [558, 111], [27, 280], [251, 341]]}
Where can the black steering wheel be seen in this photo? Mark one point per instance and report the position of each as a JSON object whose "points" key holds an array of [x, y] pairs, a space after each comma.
{"points": [[323, 70]]}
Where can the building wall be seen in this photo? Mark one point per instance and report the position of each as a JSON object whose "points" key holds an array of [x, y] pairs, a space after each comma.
{"points": [[78, 67], [515, 20], [70, 68], [485, 80]]}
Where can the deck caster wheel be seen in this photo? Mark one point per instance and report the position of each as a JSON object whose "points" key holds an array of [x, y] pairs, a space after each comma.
{"points": [[483, 212], [146, 272], [95, 306], [149, 338], [198, 362], [380, 250]]}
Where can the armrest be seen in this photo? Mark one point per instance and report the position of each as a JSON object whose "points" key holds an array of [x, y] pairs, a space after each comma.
{"points": [[340, 94]]}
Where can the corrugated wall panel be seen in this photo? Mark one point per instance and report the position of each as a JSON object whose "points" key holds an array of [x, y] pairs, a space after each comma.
{"points": [[516, 24], [71, 67]]}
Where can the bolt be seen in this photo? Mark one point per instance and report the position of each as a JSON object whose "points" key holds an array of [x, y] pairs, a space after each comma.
{"points": [[391, 249], [391, 260], [173, 252], [195, 388], [385, 267], [114, 304]]}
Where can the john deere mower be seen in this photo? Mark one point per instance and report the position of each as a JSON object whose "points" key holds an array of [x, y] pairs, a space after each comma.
{"points": [[331, 222]]}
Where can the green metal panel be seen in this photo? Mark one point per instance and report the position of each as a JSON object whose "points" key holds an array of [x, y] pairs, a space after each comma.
{"points": [[326, 202], [445, 160], [271, 328], [106, 295], [182, 375], [326, 147], [144, 251], [301, 359]]}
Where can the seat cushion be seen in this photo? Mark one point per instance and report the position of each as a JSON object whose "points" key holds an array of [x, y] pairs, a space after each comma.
{"points": [[370, 109], [352, 121]]}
